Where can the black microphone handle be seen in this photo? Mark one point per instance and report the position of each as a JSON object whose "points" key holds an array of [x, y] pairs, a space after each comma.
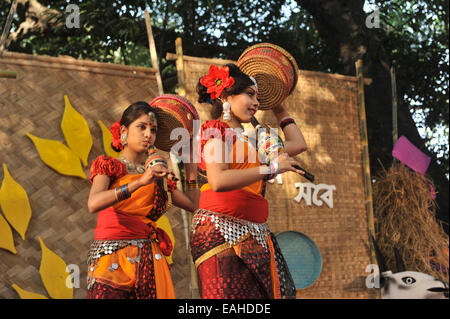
{"points": [[308, 176]]}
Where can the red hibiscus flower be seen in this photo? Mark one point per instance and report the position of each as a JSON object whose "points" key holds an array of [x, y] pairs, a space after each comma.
{"points": [[217, 80], [115, 131]]}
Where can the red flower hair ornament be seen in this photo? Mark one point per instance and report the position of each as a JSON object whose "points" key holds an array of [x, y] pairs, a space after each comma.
{"points": [[115, 131], [217, 80]]}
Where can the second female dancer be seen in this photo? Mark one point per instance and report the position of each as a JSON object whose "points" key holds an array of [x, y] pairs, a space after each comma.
{"points": [[234, 251]]}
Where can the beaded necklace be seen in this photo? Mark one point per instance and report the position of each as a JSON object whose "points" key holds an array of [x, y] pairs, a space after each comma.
{"points": [[131, 166]]}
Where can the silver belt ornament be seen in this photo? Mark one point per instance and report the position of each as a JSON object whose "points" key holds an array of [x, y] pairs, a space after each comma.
{"points": [[100, 248]]}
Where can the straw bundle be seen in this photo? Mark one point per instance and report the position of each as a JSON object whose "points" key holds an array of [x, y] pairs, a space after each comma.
{"points": [[405, 220]]}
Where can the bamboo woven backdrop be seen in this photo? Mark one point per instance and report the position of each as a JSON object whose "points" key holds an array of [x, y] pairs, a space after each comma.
{"points": [[325, 107], [34, 102]]}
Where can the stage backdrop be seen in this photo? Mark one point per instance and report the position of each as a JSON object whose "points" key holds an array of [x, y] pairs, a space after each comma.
{"points": [[34, 103], [332, 214], [331, 211]]}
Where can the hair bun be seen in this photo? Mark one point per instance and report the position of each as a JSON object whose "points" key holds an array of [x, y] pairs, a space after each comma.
{"points": [[234, 69], [203, 95]]}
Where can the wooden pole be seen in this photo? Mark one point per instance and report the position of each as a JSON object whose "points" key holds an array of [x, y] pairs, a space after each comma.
{"points": [[7, 27], [153, 54], [180, 67], [365, 156], [182, 92], [394, 107], [8, 74]]}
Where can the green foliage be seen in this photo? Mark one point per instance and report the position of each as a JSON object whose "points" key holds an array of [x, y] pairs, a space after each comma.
{"points": [[413, 33]]}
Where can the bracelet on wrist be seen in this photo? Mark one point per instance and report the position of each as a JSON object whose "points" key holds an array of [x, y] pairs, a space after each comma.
{"points": [[272, 170], [157, 162], [122, 192], [286, 122], [285, 118], [273, 167], [191, 185]]}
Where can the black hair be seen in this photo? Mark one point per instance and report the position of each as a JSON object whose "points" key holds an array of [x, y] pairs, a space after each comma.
{"points": [[133, 112], [241, 82]]}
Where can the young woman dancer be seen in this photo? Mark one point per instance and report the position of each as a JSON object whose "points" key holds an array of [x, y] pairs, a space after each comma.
{"points": [[234, 251], [126, 259]]}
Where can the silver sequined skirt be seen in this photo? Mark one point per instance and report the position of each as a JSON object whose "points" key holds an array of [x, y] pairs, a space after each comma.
{"points": [[100, 248], [232, 228]]}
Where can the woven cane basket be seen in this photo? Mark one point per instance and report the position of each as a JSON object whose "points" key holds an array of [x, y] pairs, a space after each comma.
{"points": [[174, 112], [274, 69]]}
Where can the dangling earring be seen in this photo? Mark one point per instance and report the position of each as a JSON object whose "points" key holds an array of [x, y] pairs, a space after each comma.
{"points": [[226, 111], [123, 139]]}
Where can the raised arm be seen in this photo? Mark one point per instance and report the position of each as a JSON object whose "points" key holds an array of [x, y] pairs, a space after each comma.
{"points": [[101, 197], [223, 179], [294, 142], [190, 200]]}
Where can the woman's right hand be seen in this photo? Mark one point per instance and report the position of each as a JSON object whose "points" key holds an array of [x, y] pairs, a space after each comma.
{"points": [[152, 174], [287, 163]]}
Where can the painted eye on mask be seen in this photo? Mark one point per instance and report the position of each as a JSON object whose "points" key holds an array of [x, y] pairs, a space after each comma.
{"points": [[408, 280]]}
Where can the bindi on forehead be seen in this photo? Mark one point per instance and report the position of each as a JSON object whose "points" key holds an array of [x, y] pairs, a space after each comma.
{"points": [[147, 123], [149, 118]]}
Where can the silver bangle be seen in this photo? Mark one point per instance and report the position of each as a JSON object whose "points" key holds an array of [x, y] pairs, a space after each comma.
{"points": [[157, 162], [273, 167]]}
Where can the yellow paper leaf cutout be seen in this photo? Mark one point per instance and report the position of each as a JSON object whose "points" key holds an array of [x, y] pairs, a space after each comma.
{"points": [[76, 132], [58, 156], [6, 236], [107, 139], [164, 223], [14, 203], [53, 274], [24, 294]]}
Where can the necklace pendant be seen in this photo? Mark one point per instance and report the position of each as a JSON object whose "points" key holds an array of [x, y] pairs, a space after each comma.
{"points": [[140, 169]]}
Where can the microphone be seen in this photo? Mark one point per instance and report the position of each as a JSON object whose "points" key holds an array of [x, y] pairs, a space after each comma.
{"points": [[271, 147]]}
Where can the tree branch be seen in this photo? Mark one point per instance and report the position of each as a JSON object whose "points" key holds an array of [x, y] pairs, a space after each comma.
{"points": [[37, 19]]}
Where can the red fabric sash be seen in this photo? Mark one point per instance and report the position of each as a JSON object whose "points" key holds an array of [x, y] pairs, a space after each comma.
{"points": [[238, 203], [116, 225]]}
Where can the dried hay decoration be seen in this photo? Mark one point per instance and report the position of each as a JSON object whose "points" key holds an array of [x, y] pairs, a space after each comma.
{"points": [[405, 219]]}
